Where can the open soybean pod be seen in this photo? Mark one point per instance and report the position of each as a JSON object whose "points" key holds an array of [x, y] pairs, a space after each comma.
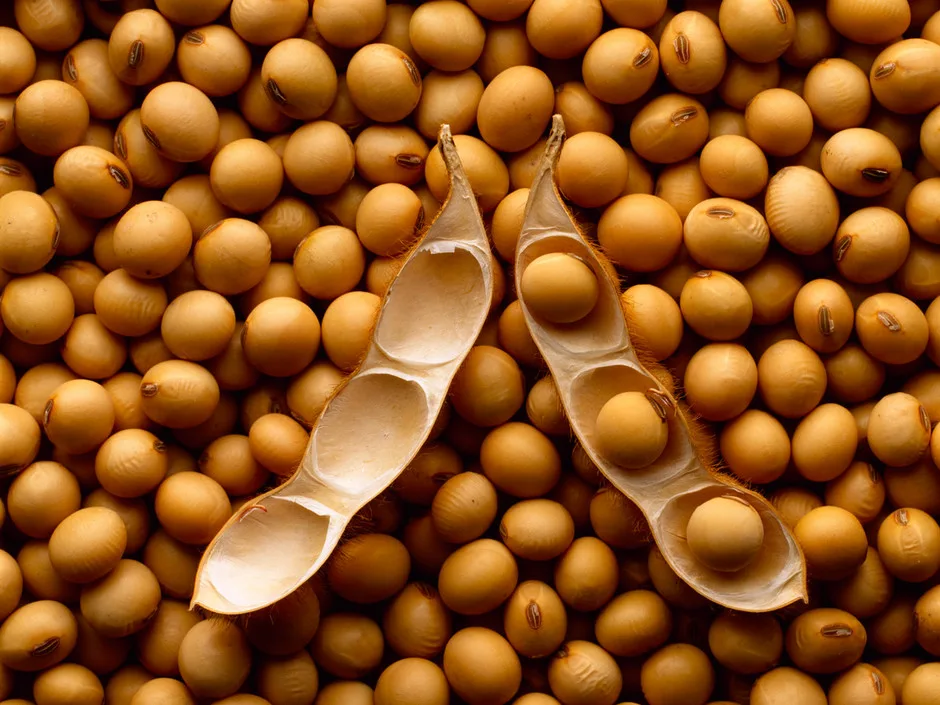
{"points": [[376, 422], [595, 366]]}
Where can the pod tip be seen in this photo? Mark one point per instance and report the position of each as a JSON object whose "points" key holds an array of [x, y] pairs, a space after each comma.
{"points": [[448, 149], [556, 138]]}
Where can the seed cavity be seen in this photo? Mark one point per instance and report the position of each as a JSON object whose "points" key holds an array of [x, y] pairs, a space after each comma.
{"points": [[47, 412], [661, 403], [503, 532], [533, 615], [409, 161], [194, 37], [643, 58], [837, 631], [3, 125], [683, 48], [149, 390], [425, 590], [842, 247], [441, 477], [419, 221], [889, 321], [902, 517], [876, 175], [873, 475], [159, 446], [827, 326], [45, 648], [413, 72], [10, 170], [720, 213], [274, 92], [781, 11], [117, 173], [151, 137], [135, 54], [70, 70], [56, 235], [8, 470], [683, 115], [703, 274], [884, 70], [562, 652], [925, 418], [120, 144]]}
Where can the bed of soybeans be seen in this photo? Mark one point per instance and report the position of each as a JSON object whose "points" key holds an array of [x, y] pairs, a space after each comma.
{"points": [[203, 204]]}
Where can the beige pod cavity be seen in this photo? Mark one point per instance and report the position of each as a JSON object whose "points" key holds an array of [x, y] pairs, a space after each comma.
{"points": [[376, 422], [593, 361]]}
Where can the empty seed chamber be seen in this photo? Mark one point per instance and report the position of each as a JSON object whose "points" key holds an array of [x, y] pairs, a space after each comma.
{"points": [[725, 541], [376, 422]]}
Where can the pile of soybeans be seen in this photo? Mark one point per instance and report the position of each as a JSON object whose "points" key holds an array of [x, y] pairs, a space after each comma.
{"points": [[202, 206]]}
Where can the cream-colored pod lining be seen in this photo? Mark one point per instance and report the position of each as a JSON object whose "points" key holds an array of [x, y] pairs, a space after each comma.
{"points": [[593, 360], [376, 422]]}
